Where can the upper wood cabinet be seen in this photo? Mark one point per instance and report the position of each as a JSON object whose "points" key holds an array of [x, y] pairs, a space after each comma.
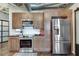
{"points": [[38, 20], [17, 19], [26, 16]]}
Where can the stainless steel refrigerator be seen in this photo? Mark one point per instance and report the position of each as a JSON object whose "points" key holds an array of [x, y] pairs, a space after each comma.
{"points": [[60, 35]]}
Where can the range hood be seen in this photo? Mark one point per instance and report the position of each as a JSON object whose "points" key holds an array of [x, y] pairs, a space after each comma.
{"points": [[28, 30]]}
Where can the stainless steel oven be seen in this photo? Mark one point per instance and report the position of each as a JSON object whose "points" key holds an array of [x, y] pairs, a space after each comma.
{"points": [[26, 43]]}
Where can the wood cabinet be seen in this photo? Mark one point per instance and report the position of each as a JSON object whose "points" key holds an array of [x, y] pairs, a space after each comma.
{"points": [[17, 19], [26, 16], [38, 20], [14, 43], [38, 44]]}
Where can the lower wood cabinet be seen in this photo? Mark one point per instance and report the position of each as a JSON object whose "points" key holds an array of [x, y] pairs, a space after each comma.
{"points": [[40, 44], [13, 43]]}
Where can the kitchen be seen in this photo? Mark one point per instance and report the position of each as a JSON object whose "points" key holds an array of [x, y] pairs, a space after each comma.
{"points": [[33, 33]]}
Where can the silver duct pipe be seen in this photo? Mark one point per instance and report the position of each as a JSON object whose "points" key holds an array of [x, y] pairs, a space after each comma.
{"points": [[50, 6], [46, 6], [28, 6]]}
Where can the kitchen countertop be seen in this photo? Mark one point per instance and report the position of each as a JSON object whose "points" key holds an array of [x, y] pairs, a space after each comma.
{"points": [[14, 36], [21, 38]]}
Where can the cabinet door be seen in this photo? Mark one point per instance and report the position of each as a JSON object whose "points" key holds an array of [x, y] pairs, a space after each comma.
{"points": [[13, 44], [38, 44], [26, 16], [16, 20], [38, 20]]}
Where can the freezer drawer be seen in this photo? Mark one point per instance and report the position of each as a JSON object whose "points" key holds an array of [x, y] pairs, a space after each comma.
{"points": [[61, 47]]}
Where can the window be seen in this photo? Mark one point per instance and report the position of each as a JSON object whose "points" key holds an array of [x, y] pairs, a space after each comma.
{"points": [[4, 31]]}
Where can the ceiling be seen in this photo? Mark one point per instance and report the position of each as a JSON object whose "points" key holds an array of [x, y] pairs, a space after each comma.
{"points": [[34, 6], [42, 6]]}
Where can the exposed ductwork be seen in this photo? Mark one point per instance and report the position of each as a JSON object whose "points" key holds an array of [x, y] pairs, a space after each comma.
{"points": [[42, 6], [28, 6], [49, 6]]}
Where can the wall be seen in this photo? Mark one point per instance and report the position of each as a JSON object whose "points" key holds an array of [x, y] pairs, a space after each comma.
{"points": [[73, 7], [4, 16], [11, 10]]}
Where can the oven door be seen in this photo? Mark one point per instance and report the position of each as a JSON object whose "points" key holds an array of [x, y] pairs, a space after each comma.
{"points": [[25, 43]]}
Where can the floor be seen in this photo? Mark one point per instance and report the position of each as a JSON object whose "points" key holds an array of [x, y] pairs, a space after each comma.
{"points": [[30, 52], [5, 52], [25, 52]]}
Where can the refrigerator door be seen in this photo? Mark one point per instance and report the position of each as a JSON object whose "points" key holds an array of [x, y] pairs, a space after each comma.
{"points": [[61, 47], [65, 29], [60, 36]]}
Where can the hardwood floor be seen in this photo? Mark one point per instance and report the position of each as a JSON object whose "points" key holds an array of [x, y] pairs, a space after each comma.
{"points": [[5, 52], [44, 54]]}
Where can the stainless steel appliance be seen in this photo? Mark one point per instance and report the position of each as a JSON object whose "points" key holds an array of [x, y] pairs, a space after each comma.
{"points": [[26, 43], [60, 35]]}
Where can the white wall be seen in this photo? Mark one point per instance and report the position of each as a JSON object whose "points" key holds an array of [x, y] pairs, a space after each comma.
{"points": [[77, 28], [4, 16], [11, 10], [73, 7]]}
